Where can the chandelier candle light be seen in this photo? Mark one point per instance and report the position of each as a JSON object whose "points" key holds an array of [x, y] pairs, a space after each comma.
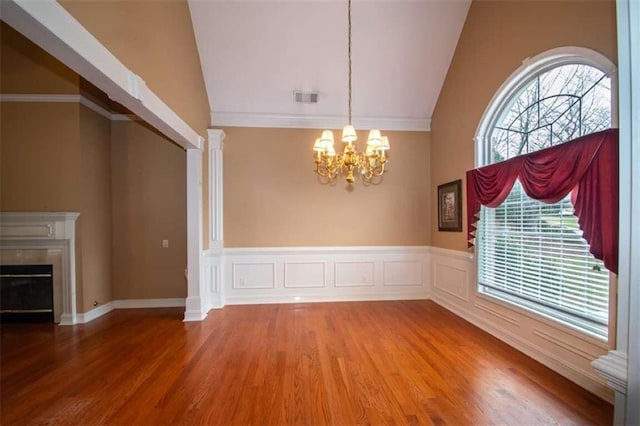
{"points": [[370, 163]]}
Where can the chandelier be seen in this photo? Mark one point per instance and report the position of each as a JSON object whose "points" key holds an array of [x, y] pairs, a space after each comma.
{"points": [[369, 163]]}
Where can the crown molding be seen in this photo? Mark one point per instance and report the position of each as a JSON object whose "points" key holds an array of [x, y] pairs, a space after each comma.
{"points": [[96, 108], [241, 119], [46, 98]]}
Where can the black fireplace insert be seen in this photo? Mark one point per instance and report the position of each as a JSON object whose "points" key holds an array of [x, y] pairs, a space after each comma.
{"points": [[26, 293]]}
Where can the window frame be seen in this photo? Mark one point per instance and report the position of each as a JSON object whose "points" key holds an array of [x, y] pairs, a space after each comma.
{"points": [[507, 92]]}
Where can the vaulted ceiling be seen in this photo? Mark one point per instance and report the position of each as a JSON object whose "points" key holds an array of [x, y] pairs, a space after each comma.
{"points": [[255, 54]]}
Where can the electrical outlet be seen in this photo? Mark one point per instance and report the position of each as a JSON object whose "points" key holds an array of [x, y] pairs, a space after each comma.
{"points": [[165, 243]]}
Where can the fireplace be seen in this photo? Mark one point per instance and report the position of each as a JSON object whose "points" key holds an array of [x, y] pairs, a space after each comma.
{"points": [[44, 239], [26, 293]]}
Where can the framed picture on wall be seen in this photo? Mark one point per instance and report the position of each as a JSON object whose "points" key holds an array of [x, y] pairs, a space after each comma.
{"points": [[450, 206]]}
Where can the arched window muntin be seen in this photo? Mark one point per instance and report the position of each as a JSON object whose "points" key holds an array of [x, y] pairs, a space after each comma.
{"points": [[492, 121], [530, 68]]}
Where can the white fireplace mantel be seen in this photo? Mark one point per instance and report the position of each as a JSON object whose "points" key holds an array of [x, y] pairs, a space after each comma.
{"points": [[46, 230]]}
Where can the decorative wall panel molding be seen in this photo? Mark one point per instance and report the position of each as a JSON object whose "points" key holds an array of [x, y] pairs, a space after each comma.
{"points": [[319, 274], [402, 273], [253, 275], [354, 274], [305, 274]]}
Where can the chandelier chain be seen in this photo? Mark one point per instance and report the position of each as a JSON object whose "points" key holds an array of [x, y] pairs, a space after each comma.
{"points": [[369, 163], [349, 8]]}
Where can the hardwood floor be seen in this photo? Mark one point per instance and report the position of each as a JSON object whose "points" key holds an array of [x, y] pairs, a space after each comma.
{"points": [[409, 362]]}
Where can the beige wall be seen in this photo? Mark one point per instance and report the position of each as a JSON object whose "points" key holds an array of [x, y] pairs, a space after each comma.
{"points": [[155, 40], [40, 157], [95, 213], [57, 157], [28, 69], [272, 196], [496, 38], [149, 205]]}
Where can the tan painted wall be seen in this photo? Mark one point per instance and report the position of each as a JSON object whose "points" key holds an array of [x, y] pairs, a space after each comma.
{"points": [[149, 205], [40, 148], [40, 163], [272, 196], [28, 69], [55, 157], [496, 38], [95, 213], [155, 40]]}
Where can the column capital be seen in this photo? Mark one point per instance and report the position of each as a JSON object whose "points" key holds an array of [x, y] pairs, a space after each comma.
{"points": [[216, 136]]}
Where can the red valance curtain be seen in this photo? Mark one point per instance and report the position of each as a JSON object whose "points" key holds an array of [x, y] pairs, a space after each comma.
{"points": [[587, 167]]}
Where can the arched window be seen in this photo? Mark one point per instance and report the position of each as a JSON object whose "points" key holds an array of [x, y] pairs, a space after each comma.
{"points": [[529, 253]]}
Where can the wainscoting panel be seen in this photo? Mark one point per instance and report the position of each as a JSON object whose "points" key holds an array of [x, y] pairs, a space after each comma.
{"points": [[402, 273], [254, 275], [559, 347], [354, 274], [304, 274], [321, 274]]}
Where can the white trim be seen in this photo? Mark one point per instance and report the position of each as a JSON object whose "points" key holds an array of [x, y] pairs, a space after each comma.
{"points": [[45, 98], [462, 255], [96, 108], [336, 250], [241, 119], [196, 306], [128, 304], [613, 367], [51, 27], [627, 354], [39, 97], [308, 274], [95, 313], [216, 199]]}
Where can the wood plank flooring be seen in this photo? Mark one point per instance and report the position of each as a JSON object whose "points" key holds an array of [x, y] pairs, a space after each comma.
{"points": [[408, 362]]}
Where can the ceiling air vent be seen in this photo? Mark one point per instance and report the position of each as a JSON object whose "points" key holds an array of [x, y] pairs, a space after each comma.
{"points": [[305, 97]]}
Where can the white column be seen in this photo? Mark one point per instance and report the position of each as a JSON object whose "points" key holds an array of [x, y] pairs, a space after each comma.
{"points": [[196, 305], [214, 263], [216, 138], [621, 368]]}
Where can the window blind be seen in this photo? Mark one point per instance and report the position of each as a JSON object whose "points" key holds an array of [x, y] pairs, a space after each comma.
{"points": [[533, 254]]}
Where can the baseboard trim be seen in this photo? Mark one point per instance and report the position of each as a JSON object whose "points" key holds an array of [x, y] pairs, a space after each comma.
{"points": [[94, 313], [104, 309], [258, 300]]}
